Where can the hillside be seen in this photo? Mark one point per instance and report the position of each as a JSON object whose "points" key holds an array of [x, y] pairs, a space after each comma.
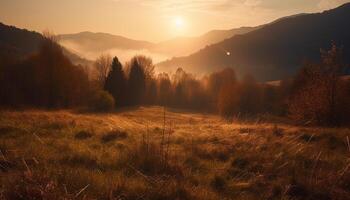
{"points": [[16, 42], [274, 51], [182, 46]]}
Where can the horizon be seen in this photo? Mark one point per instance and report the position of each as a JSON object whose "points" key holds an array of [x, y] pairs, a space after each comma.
{"points": [[162, 20]]}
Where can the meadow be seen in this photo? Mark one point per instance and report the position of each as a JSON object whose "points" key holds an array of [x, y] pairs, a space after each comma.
{"points": [[159, 153]]}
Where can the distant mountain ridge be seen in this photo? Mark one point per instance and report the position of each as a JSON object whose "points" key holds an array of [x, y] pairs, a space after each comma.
{"points": [[274, 51], [182, 46], [103, 41], [89, 43], [22, 42]]}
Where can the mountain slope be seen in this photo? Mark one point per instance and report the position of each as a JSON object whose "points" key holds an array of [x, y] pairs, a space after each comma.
{"points": [[21, 42], [274, 51], [182, 46], [14, 41]]}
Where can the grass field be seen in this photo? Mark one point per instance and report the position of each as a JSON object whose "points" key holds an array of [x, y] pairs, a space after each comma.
{"points": [[136, 154]]}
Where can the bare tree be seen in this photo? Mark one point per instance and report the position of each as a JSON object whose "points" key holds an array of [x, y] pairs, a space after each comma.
{"points": [[102, 66]]}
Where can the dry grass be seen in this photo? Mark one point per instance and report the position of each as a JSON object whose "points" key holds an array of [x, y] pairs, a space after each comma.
{"points": [[129, 155]]}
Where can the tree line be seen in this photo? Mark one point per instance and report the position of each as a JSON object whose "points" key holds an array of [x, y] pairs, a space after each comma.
{"points": [[318, 94]]}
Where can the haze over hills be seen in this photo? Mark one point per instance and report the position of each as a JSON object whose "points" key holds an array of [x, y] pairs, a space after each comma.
{"points": [[21, 42], [103, 41], [91, 45], [274, 51], [269, 52]]}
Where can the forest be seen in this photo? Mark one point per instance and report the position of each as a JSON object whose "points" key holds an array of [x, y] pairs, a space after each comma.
{"points": [[318, 94]]}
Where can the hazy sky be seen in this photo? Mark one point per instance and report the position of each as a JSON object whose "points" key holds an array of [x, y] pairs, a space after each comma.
{"points": [[153, 20]]}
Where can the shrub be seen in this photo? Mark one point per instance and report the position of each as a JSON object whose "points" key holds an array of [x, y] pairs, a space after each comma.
{"points": [[80, 160], [103, 102], [151, 159], [240, 163], [82, 135], [277, 131], [114, 135], [218, 183]]}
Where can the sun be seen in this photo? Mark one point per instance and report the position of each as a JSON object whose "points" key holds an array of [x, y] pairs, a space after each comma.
{"points": [[179, 22]]}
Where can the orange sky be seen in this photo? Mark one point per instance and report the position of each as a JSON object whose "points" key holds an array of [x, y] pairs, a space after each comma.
{"points": [[153, 20]]}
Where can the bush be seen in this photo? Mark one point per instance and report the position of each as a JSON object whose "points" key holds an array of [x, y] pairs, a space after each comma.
{"points": [[218, 183], [82, 135], [114, 135], [151, 159], [103, 102]]}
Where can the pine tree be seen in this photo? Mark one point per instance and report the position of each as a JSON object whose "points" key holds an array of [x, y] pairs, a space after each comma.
{"points": [[137, 83], [116, 83]]}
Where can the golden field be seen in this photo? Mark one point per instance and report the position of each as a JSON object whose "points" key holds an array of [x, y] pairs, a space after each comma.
{"points": [[152, 153]]}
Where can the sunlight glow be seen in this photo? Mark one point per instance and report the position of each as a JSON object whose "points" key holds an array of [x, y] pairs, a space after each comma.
{"points": [[179, 22]]}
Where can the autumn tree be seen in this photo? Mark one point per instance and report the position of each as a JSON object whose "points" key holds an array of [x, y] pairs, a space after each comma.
{"points": [[317, 92], [228, 101], [150, 83], [219, 83], [164, 89], [102, 67]]}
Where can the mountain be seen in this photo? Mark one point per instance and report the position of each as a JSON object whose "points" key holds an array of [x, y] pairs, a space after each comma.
{"points": [[182, 46], [274, 51], [21, 42], [88, 41], [91, 45]]}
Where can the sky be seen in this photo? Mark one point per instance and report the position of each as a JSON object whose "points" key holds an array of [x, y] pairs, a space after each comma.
{"points": [[152, 20]]}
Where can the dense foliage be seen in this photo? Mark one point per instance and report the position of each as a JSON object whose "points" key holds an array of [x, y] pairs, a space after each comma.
{"points": [[318, 94], [45, 79]]}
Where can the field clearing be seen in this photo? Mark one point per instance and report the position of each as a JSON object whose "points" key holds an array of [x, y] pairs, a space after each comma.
{"points": [[135, 154]]}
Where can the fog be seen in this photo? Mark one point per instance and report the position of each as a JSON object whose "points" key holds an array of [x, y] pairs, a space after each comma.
{"points": [[123, 55]]}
